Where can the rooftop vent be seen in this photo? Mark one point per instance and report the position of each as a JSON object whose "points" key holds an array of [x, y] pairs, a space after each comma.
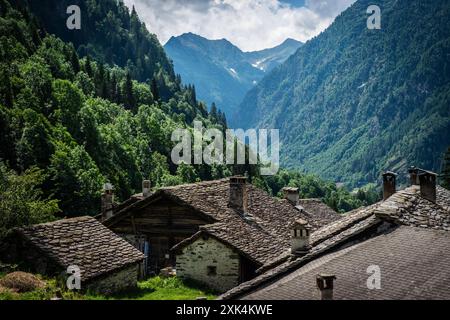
{"points": [[389, 184], [146, 188], [414, 176], [300, 233], [325, 284], [238, 194], [107, 201], [427, 182], [291, 194]]}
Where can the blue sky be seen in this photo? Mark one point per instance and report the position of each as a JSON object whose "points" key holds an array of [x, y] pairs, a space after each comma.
{"points": [[249, 24], [295, 3]]}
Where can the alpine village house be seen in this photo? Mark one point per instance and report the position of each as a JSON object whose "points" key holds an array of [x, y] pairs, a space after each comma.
{"points": [[245, 244], [82, 247], [396, 249], [219, 233]]}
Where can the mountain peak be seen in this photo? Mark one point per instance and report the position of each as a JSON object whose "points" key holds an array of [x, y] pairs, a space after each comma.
{"points": [[191, 35], [185, 36], [220, 70], [291, 41], [194, 36]]}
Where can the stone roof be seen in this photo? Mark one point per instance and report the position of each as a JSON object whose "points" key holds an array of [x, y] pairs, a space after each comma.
{"points": [[261, 234], [404, 208], [83, 242], [317, 211], [410, 268]]}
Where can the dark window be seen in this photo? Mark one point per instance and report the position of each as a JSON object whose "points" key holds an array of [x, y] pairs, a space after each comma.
{"points": [[212, 270]]}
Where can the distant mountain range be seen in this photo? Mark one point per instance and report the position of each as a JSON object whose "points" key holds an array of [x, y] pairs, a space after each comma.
{"points": [[220, 71], [353, 102]]}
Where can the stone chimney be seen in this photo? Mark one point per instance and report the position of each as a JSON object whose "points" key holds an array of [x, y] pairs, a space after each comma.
{"points": [[107, 201], [427, 181], [238, 193], [389, 184], [414, 176], [146, 188], [325, 284], [300, 232], [291, 194]]}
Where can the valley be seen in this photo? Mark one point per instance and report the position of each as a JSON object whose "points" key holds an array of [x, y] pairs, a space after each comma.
{"points": [[221, 72], [196, 170]]}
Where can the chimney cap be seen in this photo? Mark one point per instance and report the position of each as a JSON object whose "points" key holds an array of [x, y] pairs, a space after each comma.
{"points": [[238, 179], [420, 172], [427, 173], [108, 187], [325, 281], [290, 189], [301, 223], [326, 276], [390, 174], [146, 188], [413, 169]]}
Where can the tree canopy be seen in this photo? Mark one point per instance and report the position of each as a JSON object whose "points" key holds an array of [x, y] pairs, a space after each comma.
{"points": [[74, 116]]}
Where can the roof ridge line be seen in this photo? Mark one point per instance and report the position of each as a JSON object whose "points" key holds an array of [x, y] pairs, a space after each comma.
{"points": [[295, 263]]}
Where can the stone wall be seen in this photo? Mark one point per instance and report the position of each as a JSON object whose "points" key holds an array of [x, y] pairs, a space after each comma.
{"points": [[118, 281], [16, 250], [210, 262]]}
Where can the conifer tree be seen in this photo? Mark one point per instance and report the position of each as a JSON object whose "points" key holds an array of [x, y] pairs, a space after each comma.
{"points": [[445, 174], [213, 113], [74, 61], [113, 89], [129, 101], [154, 90], [194, 96], [100, 80], [88, 66]]}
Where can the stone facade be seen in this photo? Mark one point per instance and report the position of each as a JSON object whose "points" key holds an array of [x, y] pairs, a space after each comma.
{"points": [[210, 262], [33, 260], [118, 281], [28, 258]]}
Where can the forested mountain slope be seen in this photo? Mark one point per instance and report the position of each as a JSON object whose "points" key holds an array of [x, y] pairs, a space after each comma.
{"points": [[353, 102], [110, 33], [220, 71], [83, 122], [69, 124]]}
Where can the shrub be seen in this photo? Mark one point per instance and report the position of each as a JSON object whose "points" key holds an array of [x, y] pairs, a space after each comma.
{"points": [[21, 282]]}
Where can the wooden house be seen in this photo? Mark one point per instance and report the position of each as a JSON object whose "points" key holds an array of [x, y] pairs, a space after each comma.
{"points": [[106, 263], [217, 232]]}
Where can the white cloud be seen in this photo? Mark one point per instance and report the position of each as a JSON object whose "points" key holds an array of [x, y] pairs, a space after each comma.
{"points": [[249, 24]]}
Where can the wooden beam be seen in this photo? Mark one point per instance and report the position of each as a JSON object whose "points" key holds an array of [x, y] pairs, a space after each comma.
{"points": [[133, 224]]}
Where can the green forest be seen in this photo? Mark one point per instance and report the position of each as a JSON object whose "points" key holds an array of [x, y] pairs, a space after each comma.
{"points": [[354, 102], [77, 112]]}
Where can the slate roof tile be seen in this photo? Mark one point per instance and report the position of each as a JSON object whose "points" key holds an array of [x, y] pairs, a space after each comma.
{"points": [[83, 242], [405, 208], [262, 234], [410, 268]]}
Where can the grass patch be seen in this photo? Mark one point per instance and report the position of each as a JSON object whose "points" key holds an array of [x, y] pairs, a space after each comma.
{"points": [[156, 288], [50, 291]]}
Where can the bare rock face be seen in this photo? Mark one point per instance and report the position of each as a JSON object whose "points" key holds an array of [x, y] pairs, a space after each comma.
{"points": [[21, 282]]}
